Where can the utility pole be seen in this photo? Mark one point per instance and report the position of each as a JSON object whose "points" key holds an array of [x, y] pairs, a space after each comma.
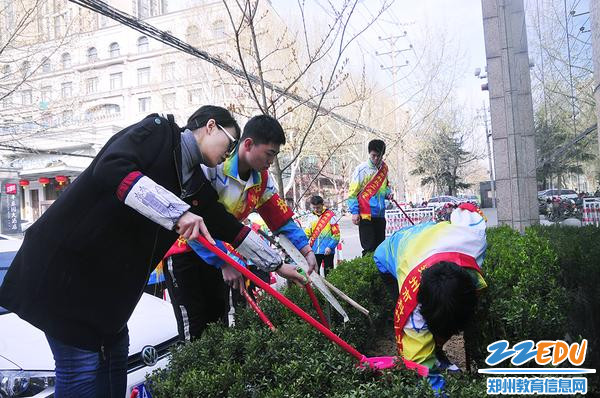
{"points": [[488, 134], [393, 68]]}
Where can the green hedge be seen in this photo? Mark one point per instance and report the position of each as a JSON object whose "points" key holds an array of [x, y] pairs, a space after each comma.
{"points": [[533, 289], [524, 299]]}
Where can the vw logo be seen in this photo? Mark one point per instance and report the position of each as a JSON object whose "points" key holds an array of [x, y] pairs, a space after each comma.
{"points": [[149, 355]]}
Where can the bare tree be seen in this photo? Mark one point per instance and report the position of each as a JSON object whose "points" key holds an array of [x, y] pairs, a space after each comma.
{"points": [[306, 62], [563, 87], [31, 33]]}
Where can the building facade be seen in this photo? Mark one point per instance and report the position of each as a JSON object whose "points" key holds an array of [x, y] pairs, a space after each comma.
{"points": [[73, 78]]}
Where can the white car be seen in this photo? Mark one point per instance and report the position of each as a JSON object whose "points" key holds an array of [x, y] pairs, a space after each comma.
{"points": [[440, 201], [26, 362], [563, 193]]}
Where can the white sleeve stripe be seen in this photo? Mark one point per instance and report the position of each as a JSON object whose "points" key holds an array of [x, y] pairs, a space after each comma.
{"points": [[155, 202]]}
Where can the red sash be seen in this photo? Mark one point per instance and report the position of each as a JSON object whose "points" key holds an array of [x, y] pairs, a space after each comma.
{"points": [[407, 299], [233, 251], [369, 190], [321, 224], [254, 195]]}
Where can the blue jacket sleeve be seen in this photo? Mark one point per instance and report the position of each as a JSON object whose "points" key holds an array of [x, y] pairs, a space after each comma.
{"points": [[385, 258], [206, 255], [294, 233]]}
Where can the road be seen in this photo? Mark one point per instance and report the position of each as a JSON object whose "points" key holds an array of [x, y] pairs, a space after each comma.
{"points": [[349, 238], [351, 243]]}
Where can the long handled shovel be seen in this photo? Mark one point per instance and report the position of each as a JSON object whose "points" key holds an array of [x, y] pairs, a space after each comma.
{"points": [[299, 259], [373, 362], [403, 212], [257, 309], [313, 298]]}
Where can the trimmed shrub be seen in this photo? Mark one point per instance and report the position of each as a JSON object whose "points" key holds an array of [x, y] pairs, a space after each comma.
{"points": [[543, 285], [524, 299]]}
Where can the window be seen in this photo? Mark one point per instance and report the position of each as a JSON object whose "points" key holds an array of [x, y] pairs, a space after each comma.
{"points": [[59, 22], [192, 68], [25, 67], [66, 90], [168, 101], [143, 75], [218, 29], [7, 102], [218, 93], [114, 50], [144, 104], [91, 85], [65, 60], [195, 97], [67, 116], [46, 67], [116, 81], [144, 8], [26, 98], [46, 94], [92, 54], [192, 34], [102, 112], [5, 70], [149, 8], [142, 44], [168, 71]]}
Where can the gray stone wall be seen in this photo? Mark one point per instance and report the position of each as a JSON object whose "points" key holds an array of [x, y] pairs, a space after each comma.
{"points": [[511, 111]]}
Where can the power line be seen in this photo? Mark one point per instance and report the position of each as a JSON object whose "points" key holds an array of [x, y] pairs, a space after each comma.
{"points": [[170, 40]]}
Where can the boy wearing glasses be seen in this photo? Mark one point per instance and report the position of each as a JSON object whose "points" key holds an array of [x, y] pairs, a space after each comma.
{"points": [[198, 284]]}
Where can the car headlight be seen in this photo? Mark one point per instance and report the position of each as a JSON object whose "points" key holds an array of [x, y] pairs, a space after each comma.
{"points": [[21, 383]]}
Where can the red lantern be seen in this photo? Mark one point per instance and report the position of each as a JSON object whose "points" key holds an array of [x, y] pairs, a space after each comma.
{"points": [[23, 183], [44, 181], [61, 179]]}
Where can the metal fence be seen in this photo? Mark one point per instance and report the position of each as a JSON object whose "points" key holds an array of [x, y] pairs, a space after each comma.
{"points": [[395, 219], [591, 212]]}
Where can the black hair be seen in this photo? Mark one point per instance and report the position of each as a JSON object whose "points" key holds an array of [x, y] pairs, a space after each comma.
{"points": [[264, 129], [377, 146], [316, 200], [221, 116], [447, 297]]}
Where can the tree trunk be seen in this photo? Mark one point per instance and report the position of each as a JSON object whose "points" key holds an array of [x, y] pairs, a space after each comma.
{"points": [[278, 177]]}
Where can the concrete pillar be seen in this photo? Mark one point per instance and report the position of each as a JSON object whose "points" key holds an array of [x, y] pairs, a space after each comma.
{"points": [[511, 111], [595, 30]]}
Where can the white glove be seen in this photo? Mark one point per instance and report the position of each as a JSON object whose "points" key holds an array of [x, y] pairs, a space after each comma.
{"points": [[254, 248]]}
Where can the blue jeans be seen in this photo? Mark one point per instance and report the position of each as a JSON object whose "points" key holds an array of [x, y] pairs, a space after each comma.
{"points": [[89, 374]]}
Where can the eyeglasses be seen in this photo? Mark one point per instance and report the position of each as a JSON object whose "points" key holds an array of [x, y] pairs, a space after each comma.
{"points": [[232, 141]]}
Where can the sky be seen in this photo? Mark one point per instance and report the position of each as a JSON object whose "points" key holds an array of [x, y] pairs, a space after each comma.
{"points": [[459, 20]]}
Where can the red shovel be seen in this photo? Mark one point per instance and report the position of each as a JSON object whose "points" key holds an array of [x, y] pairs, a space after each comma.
{"points": [[257, 309], [373, 362], [402, 210]]}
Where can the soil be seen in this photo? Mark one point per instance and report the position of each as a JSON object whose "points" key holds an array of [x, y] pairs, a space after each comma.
{"points": [[454, 348]]}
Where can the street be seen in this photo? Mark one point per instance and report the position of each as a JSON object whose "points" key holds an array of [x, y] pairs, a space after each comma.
{"points": [[351, 243]]}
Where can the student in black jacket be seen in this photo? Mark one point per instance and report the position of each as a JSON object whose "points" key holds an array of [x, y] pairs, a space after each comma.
{"points": [[84, 264]]}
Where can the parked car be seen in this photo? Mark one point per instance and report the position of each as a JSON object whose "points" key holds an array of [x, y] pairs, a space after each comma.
{"points": [[473, 199], [441, 201], [562, 193], [27, 364]]}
